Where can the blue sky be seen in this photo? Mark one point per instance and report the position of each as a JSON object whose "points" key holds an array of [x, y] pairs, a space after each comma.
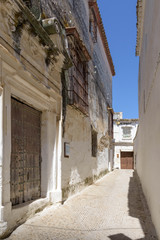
{"points": [[119, 19]]}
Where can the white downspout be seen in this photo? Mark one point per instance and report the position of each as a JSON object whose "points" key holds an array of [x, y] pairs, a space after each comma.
{"points": [[3, 225], [1, 152]]}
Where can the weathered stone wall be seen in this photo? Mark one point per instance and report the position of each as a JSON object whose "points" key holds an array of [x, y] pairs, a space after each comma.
{"points": [[78, 166], [30, 71], [26, 40], [81, 168]]}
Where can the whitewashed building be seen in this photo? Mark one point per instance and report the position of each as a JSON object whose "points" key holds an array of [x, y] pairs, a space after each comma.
{"points": [[147, 142], [124, 131]]}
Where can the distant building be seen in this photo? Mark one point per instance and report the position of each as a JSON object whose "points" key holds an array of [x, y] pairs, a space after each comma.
{"points": [[124, 131]]}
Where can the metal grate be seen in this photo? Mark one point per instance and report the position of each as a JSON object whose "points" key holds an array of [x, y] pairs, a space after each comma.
{"points": [[94, 143], [78, 76]]}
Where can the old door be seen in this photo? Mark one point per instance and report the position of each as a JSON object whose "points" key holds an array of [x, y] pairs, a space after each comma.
{"points": [[127, 161], [25, 153]]}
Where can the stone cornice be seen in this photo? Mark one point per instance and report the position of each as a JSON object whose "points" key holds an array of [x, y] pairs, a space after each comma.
{"points": [[94, 5]]}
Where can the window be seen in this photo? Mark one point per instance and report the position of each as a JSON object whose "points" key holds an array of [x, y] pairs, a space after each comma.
{"points": [[110, 122], [78, 90], [93, 25], [94, 143], [78, 75], [126, 132]]}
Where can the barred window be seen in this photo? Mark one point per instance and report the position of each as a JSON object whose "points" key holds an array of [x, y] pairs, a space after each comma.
{"points": [[126, 132], [78, 74], [94, 143]]}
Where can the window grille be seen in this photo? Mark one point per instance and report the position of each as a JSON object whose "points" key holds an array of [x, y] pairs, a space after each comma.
{"points": [[78, 76], [126, 132], [110, 123], [94, 143]]}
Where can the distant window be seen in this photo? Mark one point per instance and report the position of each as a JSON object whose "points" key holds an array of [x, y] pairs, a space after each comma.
{"points": [[93, 25], [94, 143], [126, 132]]}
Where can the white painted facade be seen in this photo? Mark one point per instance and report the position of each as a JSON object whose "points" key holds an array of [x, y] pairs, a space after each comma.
{"points": [[124, 131], [147, 141]]}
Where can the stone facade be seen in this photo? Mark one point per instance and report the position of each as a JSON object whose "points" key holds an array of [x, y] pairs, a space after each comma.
{"points": [[124, 131], [30, 72], [80, 167], [147, 141], [37, 40]]}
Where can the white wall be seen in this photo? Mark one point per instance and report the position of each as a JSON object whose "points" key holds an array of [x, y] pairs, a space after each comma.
{"points": [[147, 143], [80, 168], [118, 132]]}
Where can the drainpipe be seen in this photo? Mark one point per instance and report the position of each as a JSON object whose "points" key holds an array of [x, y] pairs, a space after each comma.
{"points": [[1, 151], [3, 225]]}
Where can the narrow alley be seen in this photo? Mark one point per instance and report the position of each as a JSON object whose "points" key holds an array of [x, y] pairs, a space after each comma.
{"points": [[112, 208]]}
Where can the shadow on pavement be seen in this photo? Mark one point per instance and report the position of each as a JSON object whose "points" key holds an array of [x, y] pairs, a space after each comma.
{"points": [[138, 207], [119, 237], [122, 237]]}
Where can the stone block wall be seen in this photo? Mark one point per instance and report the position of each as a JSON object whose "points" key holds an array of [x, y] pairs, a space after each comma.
{"points": [[81, 168]]}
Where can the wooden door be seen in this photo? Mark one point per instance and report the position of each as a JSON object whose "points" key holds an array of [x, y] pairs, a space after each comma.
{"points": [[25, 153], [127, 160]]}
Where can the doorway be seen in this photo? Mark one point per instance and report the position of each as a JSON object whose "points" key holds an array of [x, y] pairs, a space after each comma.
{"points": [[25, 168]]}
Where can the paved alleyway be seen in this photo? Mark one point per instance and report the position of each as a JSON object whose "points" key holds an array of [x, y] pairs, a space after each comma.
{"points": [[109, 209]]}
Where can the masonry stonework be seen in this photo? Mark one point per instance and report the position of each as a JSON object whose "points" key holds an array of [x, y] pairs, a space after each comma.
{"points": [[81, 166], [50, 63]]}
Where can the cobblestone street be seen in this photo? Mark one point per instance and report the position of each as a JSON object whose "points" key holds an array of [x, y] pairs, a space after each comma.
{"points": [[112, 208]]}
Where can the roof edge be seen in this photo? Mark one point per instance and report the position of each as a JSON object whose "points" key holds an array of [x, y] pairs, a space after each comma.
{"points": [[94, 4], [74, 32], [126, 120], [140, 21]]}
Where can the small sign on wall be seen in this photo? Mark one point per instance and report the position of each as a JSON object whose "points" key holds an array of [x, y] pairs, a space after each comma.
{"points": [[66, 149]]}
